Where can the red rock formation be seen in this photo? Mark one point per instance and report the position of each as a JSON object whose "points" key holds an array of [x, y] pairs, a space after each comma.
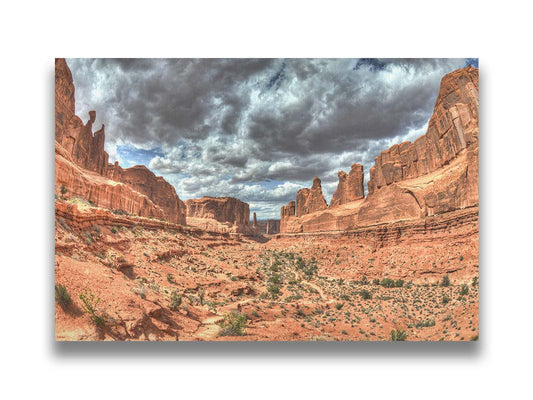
{"points": [[452, 128], [65, 101], [85, 148], [233, 214], [99, 190], [255, 220], [350, 187], [310, 200], [268, 227], [288, 212], [80, 146], [436, 174], [272, 226], [155, 187]]}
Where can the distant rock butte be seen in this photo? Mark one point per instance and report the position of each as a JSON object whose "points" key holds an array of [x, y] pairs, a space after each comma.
{"points": [[436, 174], [268, 227], [81, 158], [219, 214]]}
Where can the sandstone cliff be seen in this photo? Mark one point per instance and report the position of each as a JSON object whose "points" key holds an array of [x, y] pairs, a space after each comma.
{"points": [[438, 173], [102, 192], [350, 187], [310, 200], [155, 187], [219, 214], [79, 152], [452, 128]]}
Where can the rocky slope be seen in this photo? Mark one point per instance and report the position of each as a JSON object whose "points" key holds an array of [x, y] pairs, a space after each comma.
{"points": [[219, 214], [80, 154], [438, 173]]}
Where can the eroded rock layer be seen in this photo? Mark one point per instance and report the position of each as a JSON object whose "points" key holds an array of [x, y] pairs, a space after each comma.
{"points": [[155, 187], [219, 214], [452, 128], [436, 174]]}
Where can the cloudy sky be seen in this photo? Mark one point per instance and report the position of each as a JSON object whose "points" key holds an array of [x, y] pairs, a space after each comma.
{"points": [[256, 129]]}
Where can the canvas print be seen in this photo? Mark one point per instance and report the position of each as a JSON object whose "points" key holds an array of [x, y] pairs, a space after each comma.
{"points": [[266, 199]]}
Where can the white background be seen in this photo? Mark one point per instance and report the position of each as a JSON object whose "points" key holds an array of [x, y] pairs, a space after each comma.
{"points": [[33, 33]]}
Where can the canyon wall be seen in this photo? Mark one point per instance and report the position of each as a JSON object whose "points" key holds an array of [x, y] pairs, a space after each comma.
{"points": [[436, 174], [452, 128], [219, 214], [80, 153], [155, 187]]}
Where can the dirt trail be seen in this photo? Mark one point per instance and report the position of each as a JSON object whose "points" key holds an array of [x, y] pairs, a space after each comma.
{"points": [[209, 328]]}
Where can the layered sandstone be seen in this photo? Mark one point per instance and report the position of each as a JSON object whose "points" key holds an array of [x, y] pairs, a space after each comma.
{"points": [[288, 214], [75, 181], [452, 128], [80, 152], [155, 187], [350, 187], [436, 174], [310, 200], [85, 147], [219, 214]]}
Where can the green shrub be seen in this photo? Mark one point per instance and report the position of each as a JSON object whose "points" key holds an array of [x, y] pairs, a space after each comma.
{"points": [[445, 299], [114, 230], [365, 294], [398, 335], [338, 306], [391, 283], [445, 281], [175, 301], [273, 289], [375, 281], [275, 278], [425, 324], [63, 190], [62, 295], [364, 280], [233, 324], [388, 283], [475, 281], [464, 289], [89, 303], [170, 278]]}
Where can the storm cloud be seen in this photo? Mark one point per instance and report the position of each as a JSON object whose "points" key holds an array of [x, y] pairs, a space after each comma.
{"points": [[256, 129]]}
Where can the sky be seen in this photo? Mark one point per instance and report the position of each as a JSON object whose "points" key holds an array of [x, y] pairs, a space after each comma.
{"points": [[257, 129]]}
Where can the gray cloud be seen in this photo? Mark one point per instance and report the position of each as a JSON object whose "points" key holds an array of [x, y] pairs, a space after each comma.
{"points": [[247, 127]]}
